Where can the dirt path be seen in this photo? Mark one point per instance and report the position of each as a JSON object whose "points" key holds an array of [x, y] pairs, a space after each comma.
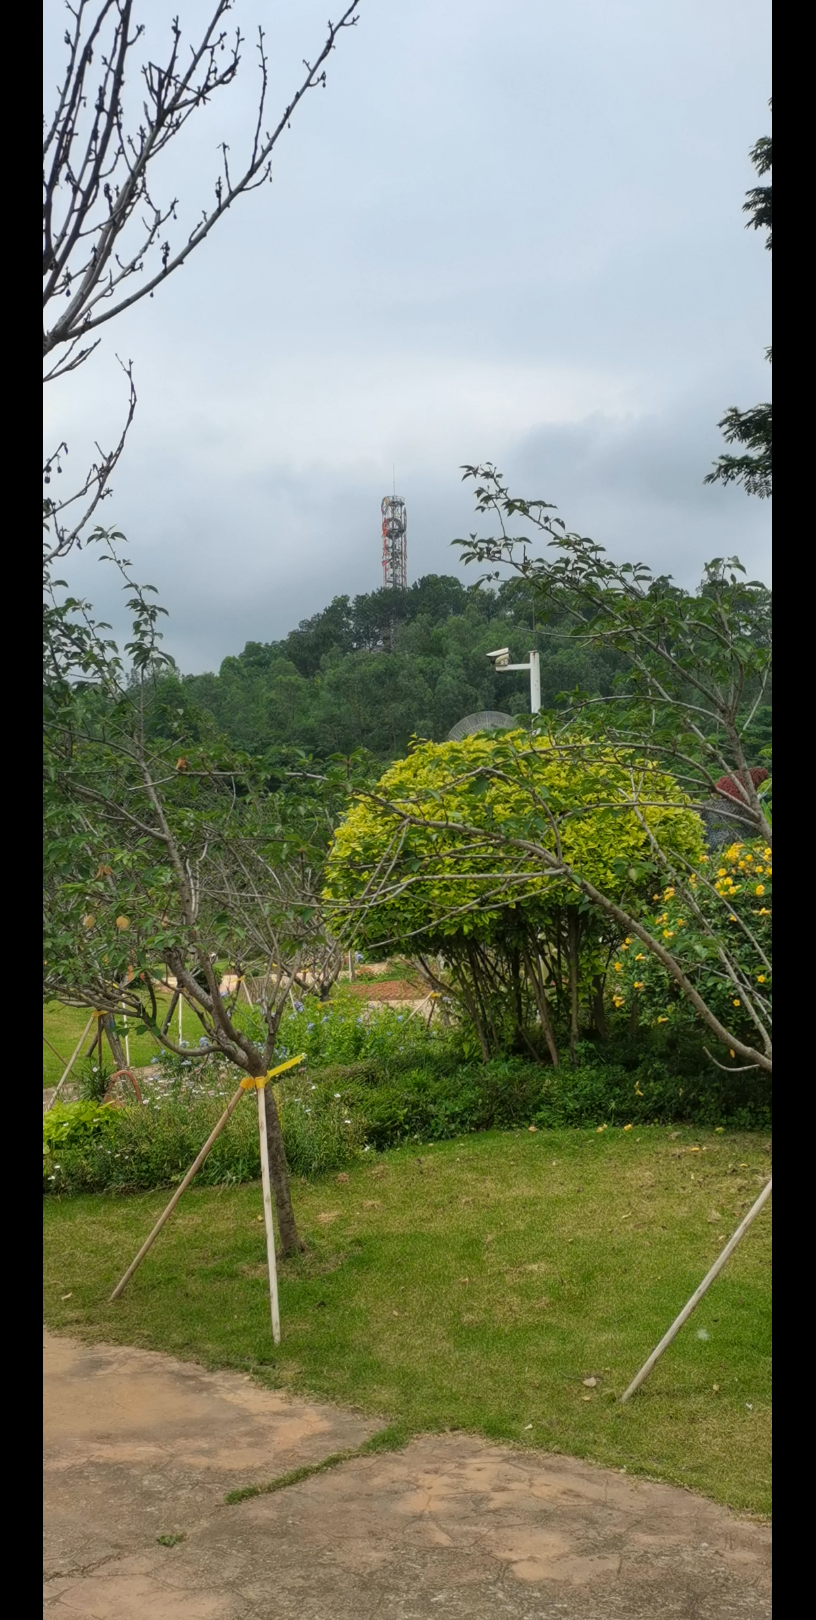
{"points": [[139, 1446]]}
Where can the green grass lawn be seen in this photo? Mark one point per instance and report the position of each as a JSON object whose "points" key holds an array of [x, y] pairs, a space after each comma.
{"points": [[474, 1285], [64, 1025]]}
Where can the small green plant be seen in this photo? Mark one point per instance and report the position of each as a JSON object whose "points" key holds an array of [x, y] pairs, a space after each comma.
{"points": [[71, 1126], [94, 1074]]}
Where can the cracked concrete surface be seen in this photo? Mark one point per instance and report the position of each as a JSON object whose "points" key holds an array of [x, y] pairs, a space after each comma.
{"points": [[139, 1445]]}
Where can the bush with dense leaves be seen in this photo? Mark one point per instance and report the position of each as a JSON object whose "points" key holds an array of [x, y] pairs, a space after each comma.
{"points": [[333, 1115]]}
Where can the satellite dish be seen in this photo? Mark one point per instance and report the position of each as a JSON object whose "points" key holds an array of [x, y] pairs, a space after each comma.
{"points": [[487, 720]]}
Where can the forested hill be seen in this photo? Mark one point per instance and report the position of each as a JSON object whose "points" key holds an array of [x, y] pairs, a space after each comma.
{"points": [[371, 671]]}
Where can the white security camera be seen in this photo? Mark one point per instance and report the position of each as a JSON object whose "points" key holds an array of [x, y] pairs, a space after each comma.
{"points": [[500, 657]]}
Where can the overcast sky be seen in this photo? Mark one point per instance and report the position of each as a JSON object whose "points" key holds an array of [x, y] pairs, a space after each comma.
{"points": [[503, 232]]}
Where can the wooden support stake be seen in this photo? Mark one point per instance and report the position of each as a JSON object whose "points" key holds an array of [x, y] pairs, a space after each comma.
{"points": [[271, 1260], [182, 1188], [717, 1267], [71, 1062], [52, 1048]]}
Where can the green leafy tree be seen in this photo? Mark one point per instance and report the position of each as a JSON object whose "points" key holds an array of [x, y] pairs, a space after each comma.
{"points": [[695, 675], [170, 860], [695, 666], [407, 868], [374, 670], [517, 825], [753, 429]]}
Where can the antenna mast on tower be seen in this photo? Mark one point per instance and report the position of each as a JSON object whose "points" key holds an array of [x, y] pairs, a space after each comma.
{"points": [[395, 543]]}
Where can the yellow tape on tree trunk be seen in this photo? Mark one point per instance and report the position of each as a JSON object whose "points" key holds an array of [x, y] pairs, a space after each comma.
{"points": [[261, 1080]]}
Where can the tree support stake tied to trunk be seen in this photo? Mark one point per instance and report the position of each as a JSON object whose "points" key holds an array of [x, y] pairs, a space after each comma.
{"points": [[249, 1083]]}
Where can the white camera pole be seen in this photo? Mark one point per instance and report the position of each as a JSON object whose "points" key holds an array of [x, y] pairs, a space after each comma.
{"points": [[501, 659]]}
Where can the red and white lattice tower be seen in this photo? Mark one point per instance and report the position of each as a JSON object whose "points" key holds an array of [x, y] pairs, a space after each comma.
{"points": [[395, 543]]}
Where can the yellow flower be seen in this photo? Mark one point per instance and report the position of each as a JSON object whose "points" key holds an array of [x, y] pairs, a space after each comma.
{"points": [[731, 1052], [668, 933], [655, 896], [663, 1020], [722, 872], [760, 888], [764, 911], [761, 978], [638, 1092], [627, 1127], [668, 894], [122, 923], [617, 1001], [736, 1001], [748, 858], [88, 922], [641, 956], [599, 1129], [618, 967], [703, 858], [639, 985]]}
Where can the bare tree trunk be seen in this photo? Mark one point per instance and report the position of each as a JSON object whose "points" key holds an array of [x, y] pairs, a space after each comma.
{"points": [[543, 1008], [479, 1001], [114, 1043], [443, 991], [559, 963], [473, 1014], [170, 1011], [515, 964], [290, 1242], [572, 953], [598, 1009]]}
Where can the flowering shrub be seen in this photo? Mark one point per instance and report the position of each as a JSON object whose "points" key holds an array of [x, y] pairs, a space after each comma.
{"points": [[718, 927]]}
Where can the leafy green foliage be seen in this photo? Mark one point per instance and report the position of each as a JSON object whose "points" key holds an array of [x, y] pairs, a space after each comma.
{"points": [[753, 469], [696, 666], [72, 1125], [752, 428], [443, 885], [334, 1116], [372, 672]]}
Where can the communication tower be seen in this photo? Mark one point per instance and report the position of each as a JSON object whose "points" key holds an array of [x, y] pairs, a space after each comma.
{"points": [[394, 543]]}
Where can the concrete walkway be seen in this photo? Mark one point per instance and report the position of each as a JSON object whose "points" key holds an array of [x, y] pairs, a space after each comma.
{"points": [[139, 1446]]}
